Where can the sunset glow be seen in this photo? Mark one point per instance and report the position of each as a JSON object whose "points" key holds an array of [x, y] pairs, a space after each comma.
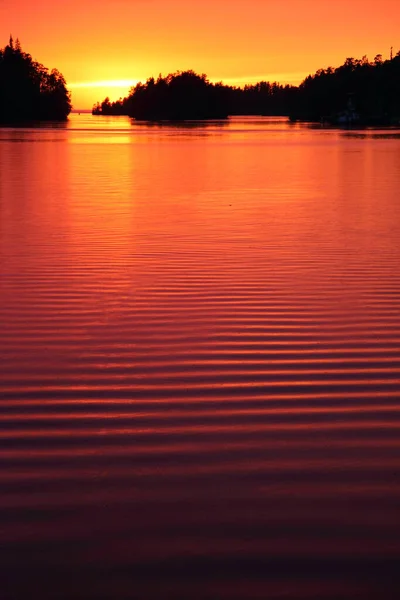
{"points": [[102, 47], [199, 299]]}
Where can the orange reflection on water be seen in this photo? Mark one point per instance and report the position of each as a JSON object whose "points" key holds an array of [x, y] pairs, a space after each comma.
{"points": [[200, 352]]}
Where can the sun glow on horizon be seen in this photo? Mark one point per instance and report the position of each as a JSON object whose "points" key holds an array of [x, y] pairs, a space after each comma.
{"points": [[282, 78], [113, 83], [119, 88], [87, 93]]}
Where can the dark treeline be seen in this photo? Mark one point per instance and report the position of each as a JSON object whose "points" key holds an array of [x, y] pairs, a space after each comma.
{"points": [[262, 98], [28, 91], [358, 90], [187, 95]]}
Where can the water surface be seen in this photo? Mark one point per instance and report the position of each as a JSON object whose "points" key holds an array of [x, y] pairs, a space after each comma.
{"points": [[200, 352]]}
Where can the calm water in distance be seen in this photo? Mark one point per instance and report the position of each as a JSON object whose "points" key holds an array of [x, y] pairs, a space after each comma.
{"points": [[200, 361]]}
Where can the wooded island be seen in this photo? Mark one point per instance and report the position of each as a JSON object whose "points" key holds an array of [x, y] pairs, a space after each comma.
{"points": [[359, 92], [28, 90]]}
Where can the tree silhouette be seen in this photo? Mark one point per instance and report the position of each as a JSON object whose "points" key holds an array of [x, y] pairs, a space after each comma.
{"points": [[372, 89], [179, 96], [28, 90], [189, 96], [368, 92]]}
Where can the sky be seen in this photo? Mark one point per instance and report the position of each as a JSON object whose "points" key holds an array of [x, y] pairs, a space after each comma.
{"points": [[103, 47]]}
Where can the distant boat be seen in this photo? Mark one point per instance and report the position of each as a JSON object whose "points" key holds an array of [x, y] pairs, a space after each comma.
{"points": [[345, 119], [349, 116]]}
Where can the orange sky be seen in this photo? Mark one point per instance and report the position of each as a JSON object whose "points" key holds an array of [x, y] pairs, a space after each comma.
{"points": [[102, 46]]}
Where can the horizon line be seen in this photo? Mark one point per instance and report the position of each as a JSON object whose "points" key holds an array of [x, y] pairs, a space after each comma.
{"points": [[282, 78]]}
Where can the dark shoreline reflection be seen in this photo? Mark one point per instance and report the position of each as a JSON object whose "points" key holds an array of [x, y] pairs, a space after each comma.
{"points": [[33, 125], [375, 134], [183, 129], [182, 124]]}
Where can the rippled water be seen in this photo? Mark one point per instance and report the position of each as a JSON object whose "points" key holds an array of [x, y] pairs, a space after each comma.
{"points": [[200, 361]]}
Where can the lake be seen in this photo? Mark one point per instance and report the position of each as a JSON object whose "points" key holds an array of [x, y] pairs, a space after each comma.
{"points": [[200, 361]]}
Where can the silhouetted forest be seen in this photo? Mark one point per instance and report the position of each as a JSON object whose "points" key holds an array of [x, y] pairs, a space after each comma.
{"points": [[359, 91], [28, 91], [187, 95]]}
